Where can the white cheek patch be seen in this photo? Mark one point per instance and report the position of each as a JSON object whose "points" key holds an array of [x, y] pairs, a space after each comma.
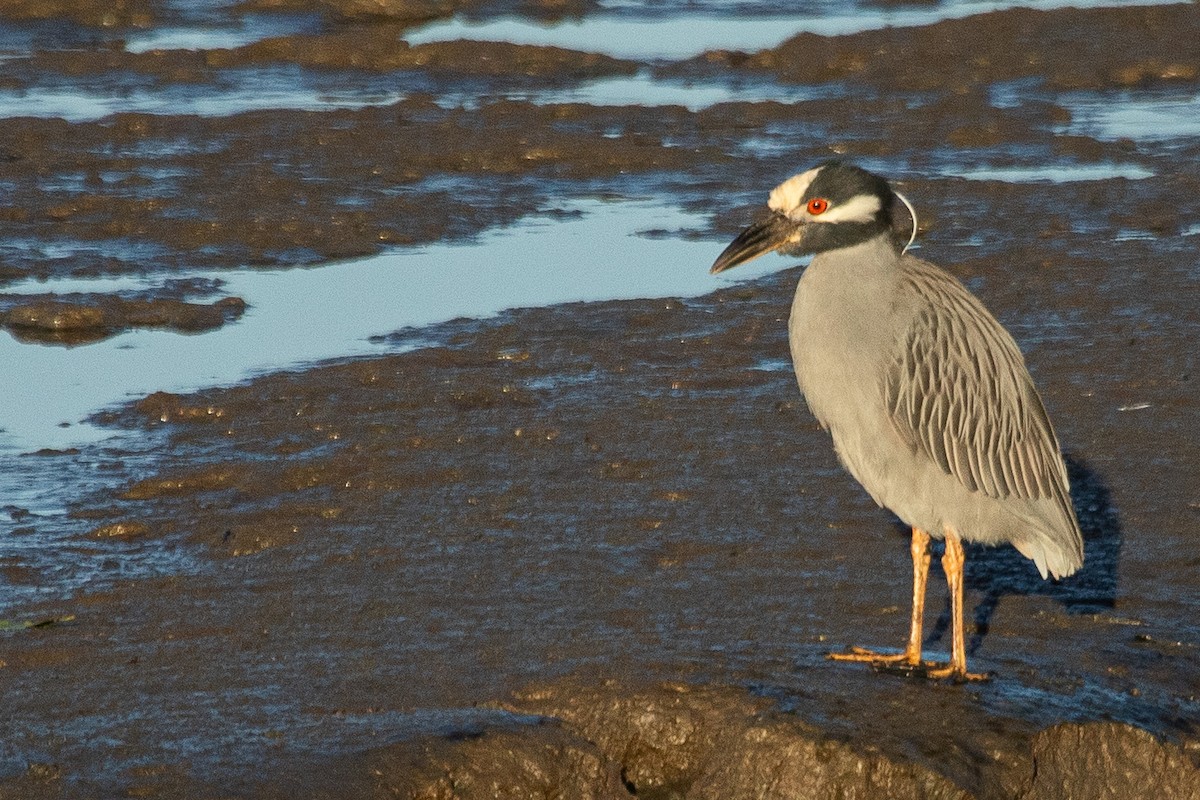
{"points": [[785, 198], [862, 208]]}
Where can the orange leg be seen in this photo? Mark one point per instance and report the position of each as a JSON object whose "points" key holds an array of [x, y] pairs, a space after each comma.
{"points": [[952, 564], [911, 657]]}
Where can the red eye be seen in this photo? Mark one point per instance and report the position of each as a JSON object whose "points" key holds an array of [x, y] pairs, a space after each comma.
{"points": [[818, 205]]}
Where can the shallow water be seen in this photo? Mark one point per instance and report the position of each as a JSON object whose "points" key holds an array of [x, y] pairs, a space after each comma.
{"points": [[645, 90], [214, 31], [678, 36], [1056, 173], [1171, 115], [302, 316], [254, 89], [238, 91]]}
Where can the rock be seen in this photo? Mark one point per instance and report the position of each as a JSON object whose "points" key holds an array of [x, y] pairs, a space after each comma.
{"points": [[782, 759], [519, 762], [674, 740], [1110, 761], [707, 742]]}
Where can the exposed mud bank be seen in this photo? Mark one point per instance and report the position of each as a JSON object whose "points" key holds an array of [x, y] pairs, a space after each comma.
{"points": [[280, 188], [1064, 49], [380, 48], [122, 13], [53, 321]]}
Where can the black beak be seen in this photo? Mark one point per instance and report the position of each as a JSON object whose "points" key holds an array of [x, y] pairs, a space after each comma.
{"points": [[766, 235]]}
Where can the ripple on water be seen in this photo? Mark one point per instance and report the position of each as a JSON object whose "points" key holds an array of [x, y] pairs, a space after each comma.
{"points": [[54, 554]]}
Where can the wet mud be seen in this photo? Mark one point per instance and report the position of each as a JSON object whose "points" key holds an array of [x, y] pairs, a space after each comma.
{"points": [[54, 321], [121, 13], [600, 550], [1065, 49]]}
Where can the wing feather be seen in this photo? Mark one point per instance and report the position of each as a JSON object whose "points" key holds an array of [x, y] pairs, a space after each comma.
{"points": [[958, 390]]}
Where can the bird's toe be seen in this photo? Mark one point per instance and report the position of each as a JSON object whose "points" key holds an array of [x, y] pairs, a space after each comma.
{"points": [[955, 674]]}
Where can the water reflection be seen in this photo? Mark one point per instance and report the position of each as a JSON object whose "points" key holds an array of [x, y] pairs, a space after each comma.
{"points": [[299, 316]]}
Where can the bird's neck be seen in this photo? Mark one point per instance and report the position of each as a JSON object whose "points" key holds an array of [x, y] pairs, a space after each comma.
{"points": [[879, 253]]}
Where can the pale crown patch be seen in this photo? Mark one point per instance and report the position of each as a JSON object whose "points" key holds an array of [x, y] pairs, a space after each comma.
{"points": [[786, 199]]}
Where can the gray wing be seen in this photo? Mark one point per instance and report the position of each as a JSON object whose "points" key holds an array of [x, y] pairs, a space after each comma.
{"points": [[958, 390]]}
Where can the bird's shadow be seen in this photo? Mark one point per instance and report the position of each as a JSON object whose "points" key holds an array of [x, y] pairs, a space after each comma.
{"points": [[996, 572]]}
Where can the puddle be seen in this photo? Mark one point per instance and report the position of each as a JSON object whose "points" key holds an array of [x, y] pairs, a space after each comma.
{"points": [[219, 33], [631, 33], [1063, 173], [290, 88], [1126, 116], [286, 87], [644, 90], [299, 316]]}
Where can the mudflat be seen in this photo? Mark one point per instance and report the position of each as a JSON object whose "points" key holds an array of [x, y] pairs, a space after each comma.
{"points": [[596, 549]]}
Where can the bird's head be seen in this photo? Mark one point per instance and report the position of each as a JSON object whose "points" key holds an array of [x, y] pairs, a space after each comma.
{"points": [[829, 207]]}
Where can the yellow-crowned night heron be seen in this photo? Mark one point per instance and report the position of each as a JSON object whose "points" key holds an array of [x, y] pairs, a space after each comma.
{"points": [[926, 395]]}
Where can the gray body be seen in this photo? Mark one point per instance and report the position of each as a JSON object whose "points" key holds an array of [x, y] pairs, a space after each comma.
{"points": [[929, 402]]}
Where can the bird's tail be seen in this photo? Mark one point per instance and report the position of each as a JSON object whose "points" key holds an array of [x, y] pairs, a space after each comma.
{"points": [[1051, 557]]}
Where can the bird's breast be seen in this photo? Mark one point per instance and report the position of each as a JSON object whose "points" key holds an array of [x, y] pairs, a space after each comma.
{"points": [[842, 332]]}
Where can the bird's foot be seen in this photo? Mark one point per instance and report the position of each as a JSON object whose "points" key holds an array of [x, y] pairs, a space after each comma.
{"points": [[910, 664], [902, 660], [956, 673]]}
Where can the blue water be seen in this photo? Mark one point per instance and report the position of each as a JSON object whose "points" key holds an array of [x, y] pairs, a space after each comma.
{"points": [[718, 26], [300, 316]]}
